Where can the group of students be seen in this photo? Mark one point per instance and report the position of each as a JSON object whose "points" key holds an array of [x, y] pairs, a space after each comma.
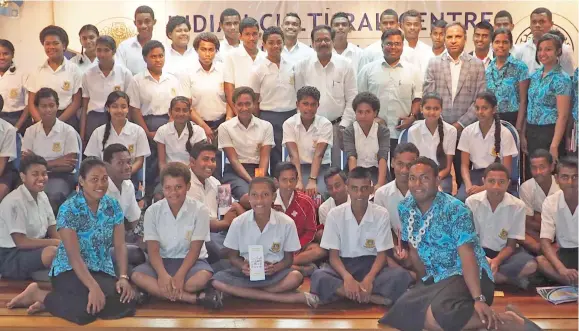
{"points": [[163, 117]]}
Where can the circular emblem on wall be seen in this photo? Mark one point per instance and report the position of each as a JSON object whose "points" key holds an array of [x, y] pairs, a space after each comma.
{"points": [[119, 28], [522, 30]]}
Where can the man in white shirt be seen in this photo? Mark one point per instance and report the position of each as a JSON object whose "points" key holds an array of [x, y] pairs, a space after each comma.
{"points": [[374, 51], [437, 33], [293, 49], [533, 192], [482, 39], [499, 220], [130, 51], [229, 23], [238, 62], [396, 82], [335, 180], [503, 19], [560, 221], [416, 52], [342, 26], [273, 80], [541, 23], [179, 56], [358, 237], [333, 75]]}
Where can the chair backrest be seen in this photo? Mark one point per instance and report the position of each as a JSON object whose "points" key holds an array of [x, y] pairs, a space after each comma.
{"points": [[515, 173], [140, 176], [403, 138], [16, 162], [79, 160]]}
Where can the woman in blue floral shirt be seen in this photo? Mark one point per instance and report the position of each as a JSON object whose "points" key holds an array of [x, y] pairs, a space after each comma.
{"points": [[456, 287], [84, 285], [508, 79], [549, 100]]}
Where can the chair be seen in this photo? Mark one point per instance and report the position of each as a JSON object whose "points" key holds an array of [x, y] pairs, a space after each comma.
{"points": [[79, 159], [16, 162], [515, 172], [140, 177]]}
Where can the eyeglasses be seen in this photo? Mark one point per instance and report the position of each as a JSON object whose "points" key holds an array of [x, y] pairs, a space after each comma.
{"points": [[391, 44]]}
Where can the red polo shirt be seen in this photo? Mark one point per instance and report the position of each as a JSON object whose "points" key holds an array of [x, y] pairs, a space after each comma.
{"points": [[303, 212]]}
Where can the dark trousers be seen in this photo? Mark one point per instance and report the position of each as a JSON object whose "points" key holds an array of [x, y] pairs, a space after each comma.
{"points": [[153, 122], [13, 117], [276, 119], [540, 137], [214, 125], [510, 117], [72, 121], [69, 299], [390, 175]]}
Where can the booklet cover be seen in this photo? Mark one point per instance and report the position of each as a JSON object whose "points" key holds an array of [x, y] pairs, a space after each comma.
{"points": [[256, 263], [224, 199], [558, 294]]}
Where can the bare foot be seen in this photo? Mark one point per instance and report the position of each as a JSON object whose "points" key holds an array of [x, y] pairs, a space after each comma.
{"points": [[24, 299], [512, 322], [36, 307]]}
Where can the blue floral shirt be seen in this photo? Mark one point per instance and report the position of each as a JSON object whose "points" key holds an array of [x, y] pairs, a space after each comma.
{"points": [[95, 233], [504, 82], [575, 108], [543, 92], [451, 226]]}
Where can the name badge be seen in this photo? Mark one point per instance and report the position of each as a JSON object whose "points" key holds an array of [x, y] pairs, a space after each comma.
{"points": [[504, 234], [370, 243], [66, 85], [56, 147]]}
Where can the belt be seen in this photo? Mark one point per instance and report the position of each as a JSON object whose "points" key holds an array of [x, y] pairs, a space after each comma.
{"points": [[336, 121]]}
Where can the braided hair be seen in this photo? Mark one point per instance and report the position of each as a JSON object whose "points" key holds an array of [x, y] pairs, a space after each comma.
{"points": [[10, 47], [112, 98], [86, 28], [491, 99], [440, 154], [186, 101]]}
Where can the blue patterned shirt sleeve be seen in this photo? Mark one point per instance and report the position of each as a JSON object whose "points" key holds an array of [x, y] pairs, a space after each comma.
{"points": [[576, 96], [504, 83], [543, 92]]}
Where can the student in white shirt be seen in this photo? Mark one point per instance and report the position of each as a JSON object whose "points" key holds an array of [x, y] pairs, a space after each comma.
{"points": [[374, 51], [239, 61], [333, 75], [499, 220], [533, 192], [358, 237], [342, 26], [417, 51], [366, 141], [559, 220], [229, 23], [28, 236], [437, 33], [7, 155], [276, 233], [335, 180], [482, 39], [88, 35], [55, 141], [179, 56], [482, 143], [98, 82], [246, 140], [435, 138], [130, 51], [176, 229], [12, 89], [56, 73], [293, 49], [121, 131], [273, 80], [307, 137]]}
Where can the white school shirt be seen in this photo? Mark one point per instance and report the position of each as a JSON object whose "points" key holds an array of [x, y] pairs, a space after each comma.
{"points": [[96, 87], [7, 140], [175, 234], [20, 213], [396, 87], [533, 196], [482, 149], [325, 208], [297, 53], [527, 51], [177, 63], [352, 53], [175, 144], [342, 232], [320, 131], [61, 141], [247, 142], [86, 62], [279, 235], [206, 194], [130, 54], [126, 198], [132, 136], [367, 147], [205, 88], [238, 64], [13, 90], [494, 228], [66, 80], [275, 86], [336, 83], [419, 55], [153, 97], [427, 143], [224, 49], [389, 197], [488, 58], [557, 221]]}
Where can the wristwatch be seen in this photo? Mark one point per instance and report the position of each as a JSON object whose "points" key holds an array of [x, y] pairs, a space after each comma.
{"points": [[480, 298]]}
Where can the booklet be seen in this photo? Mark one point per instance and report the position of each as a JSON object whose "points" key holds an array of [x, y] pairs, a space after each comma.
{"points": [[256, 263], [224, 199], [558, 294]]}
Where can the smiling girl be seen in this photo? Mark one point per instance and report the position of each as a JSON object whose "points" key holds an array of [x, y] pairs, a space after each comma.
{"points": [[88, 35]]}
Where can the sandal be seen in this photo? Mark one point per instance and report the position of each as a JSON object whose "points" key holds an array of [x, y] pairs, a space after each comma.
{"points": [[312, 300], [529, 325], [212, 299]]}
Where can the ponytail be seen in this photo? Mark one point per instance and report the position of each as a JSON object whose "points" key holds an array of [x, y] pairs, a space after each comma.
{"points": [[81, 61], [188, 146], [498, 127], [107, 130], [440, 155]]}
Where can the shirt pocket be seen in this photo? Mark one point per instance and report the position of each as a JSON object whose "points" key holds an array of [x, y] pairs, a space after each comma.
{"points": [[367, 239], [405, 90], [336, 89]]}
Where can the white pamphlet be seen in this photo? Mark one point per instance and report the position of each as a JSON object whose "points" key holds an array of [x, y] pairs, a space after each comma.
{"points": [[256, 263]]}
